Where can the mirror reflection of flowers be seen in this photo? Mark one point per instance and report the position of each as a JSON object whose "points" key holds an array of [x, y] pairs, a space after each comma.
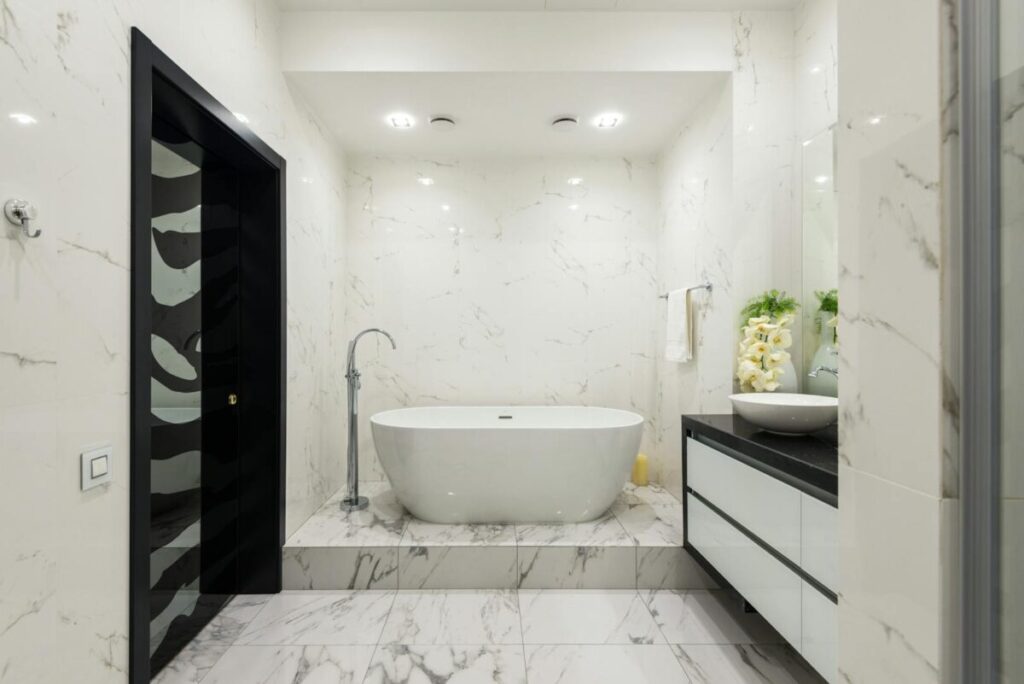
{"points": [[766, 336]]}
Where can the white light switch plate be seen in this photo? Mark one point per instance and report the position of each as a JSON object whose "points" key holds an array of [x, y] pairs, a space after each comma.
{"points": [[96, 467]]}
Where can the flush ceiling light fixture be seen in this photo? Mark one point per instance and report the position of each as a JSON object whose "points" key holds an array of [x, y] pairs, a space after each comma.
{"points": [[425, 180], [608, 120], [575, 180], [21, 118], [442, 123], [401, 121], [565, 123]]}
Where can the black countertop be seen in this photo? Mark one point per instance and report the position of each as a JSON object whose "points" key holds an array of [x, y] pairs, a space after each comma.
{"points": [[809, 462]]}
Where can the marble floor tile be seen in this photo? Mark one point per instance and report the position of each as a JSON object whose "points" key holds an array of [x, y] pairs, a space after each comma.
{"points": [[670, 567], [586, 617], [575, 664], [457, 567], [340, 567], [310, 617], [484, 664], [707, 617], [744, 664], [309, 664], [605, 531], [192, 663], [577, 567], [381, 524], [420, 533], [453, 617], [657, 525]]}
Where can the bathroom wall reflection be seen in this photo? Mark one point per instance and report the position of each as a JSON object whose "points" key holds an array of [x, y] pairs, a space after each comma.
{"points": [[820, 263]]}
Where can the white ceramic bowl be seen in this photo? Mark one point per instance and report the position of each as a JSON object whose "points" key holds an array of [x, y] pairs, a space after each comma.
{"points": [[789, 414]]}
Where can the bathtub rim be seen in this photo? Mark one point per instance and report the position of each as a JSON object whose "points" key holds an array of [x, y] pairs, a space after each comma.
{"points": [[634, 419]]}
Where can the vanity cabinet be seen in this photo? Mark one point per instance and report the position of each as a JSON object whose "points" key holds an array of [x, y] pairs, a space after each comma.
{"points": [[767, 527]]}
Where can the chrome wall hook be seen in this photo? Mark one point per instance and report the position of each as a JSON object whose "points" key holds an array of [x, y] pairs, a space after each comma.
{"points": [[22, 214]]}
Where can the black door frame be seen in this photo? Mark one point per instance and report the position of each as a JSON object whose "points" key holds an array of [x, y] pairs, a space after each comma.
{"points": [[160, 87]]}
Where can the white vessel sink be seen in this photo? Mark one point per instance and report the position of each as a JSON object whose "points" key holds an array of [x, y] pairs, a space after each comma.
{"points": [[788, 414]]}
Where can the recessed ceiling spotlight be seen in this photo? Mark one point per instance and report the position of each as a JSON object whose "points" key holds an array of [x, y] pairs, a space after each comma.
{"points": [[400, 120], [446, 207], [241, 117], [574, 207], [821, 180], [875, 120], [442, 123], [425, 180], [23, 119], [608, 120], [575, 180], [565, 123]]}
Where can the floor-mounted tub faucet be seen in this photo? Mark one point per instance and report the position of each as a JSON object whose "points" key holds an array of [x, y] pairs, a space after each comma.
{"points": [[354, 502]]}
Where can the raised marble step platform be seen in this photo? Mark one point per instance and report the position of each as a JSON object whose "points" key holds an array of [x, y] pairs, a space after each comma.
{"points": [[636, 545]]}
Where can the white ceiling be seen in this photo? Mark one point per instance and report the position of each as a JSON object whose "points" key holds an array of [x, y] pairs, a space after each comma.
{"points": [[535, 5], [504, 114]]}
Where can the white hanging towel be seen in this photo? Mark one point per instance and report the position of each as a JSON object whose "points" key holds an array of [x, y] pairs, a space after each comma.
{"points": [[679, 327]]}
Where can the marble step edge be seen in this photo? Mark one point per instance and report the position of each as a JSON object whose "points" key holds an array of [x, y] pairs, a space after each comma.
{"points": [[492, 567]]}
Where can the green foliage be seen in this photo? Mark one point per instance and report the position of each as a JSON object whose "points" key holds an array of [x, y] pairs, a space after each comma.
{"points": [[772, 304], [828, 300]]}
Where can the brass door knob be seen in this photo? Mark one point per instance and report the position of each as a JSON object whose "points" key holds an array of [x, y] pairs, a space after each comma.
{"points": [[232, 399]]}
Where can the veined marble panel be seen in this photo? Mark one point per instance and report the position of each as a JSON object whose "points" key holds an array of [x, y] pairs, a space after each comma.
{"points": [[577, 567], [637, 664], [310, 617], [458, 567], [483, 664], [340, 567], [453, 617], [502, 283], [587, 617], [707, 617]]}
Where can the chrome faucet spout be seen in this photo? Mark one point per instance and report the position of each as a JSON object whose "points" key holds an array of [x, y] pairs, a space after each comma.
{"points": [[354, 502], [823, 369]]}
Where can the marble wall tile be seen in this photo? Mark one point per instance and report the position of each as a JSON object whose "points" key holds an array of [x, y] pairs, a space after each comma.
{"points": [[64, 360], [502, 283], [458, 567], [902, 597], [895, 208], [340, 567], [816, 66], [577, 567], [726, 214]]}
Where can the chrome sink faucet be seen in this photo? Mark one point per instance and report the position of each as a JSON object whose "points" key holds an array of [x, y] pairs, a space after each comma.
{"points": [[354, 502], [823, 369]]}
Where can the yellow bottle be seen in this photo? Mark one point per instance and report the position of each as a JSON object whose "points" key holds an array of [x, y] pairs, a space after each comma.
{"points": [[640, 470]]}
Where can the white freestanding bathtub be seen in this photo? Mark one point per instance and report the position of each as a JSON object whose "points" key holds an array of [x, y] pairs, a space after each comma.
{"points": [[507, 464]]}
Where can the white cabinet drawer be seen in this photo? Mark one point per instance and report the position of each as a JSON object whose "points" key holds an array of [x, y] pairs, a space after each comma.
{"points": [[819, 644], [767, 507], [819, 541], [765, 582]]}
